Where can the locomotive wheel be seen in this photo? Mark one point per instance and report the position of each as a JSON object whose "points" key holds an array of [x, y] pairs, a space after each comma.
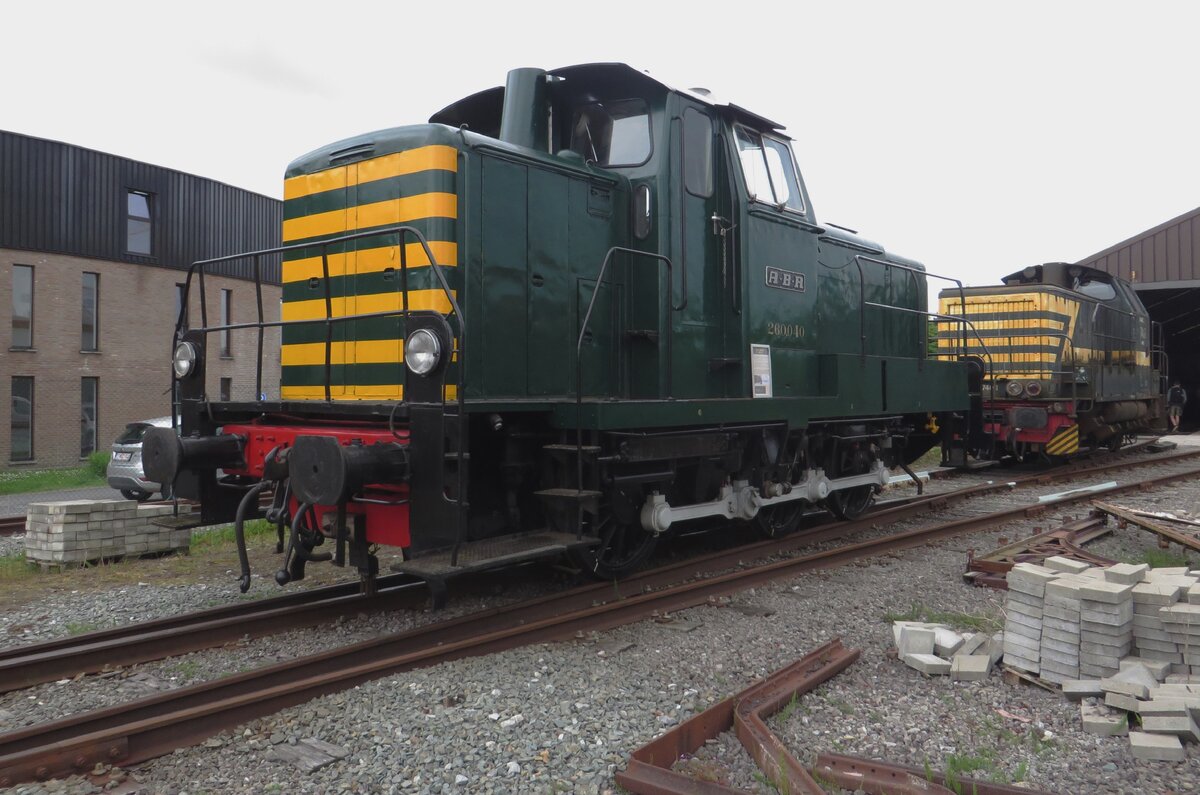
{"points": [[849, 504], [776, 521], [624, 543]]}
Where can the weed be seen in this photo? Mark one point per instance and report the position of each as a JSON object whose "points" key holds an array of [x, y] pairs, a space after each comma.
{"points": [[917, 612], [186, 669], [81, 627], [224, 535], [15, 566], [20, 482], [785, 714], [98, 463], [1163, 559], [1021, 772], [841, 706]]}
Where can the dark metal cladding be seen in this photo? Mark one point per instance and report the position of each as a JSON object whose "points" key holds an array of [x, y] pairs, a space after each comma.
{"points": [[65, 199], [1164, 254]]}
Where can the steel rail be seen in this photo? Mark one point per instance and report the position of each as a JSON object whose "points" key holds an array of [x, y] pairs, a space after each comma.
{"points": [[25, 666], [140, 730]]}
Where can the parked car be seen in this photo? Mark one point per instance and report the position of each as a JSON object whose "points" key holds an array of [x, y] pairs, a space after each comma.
{"points": [[125, 466]]}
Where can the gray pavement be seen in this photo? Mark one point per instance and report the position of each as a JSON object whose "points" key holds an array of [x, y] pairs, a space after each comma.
{"points": [[17, 504]]}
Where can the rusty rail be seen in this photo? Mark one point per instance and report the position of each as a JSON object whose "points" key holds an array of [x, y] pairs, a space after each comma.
{"points": [[990, 570], [1128, 517], [884, 778], [649, 771]]}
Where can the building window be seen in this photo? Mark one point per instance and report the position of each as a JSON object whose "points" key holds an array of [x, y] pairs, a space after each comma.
{"points": [[90, 336], [21, 421], [88, 398], [226, 315], [22, 306], [180, 297], [226, 389], [138, 223]]}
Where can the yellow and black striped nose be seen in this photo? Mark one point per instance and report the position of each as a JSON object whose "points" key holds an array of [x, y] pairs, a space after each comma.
{"points": [[1064, 442]]}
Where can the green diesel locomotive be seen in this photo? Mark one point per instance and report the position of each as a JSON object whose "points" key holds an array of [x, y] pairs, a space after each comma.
{"points": [[569, 315]]}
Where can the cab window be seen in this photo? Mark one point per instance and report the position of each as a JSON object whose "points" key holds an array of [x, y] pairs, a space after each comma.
{"points": [[1095, 288], [612, 133], [769, 170]]}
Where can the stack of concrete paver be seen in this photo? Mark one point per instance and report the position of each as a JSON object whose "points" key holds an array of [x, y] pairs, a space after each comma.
{"points": [[74, 532], [1106, 619], [1061, 622], [1023, 607], [935, 649]]}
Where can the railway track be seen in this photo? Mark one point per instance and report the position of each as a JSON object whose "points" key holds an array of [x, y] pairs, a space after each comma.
{"points": [[140, 730], [23, 667]]}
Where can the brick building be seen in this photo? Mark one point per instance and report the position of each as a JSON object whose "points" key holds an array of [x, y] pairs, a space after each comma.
{"points": [[94, 255]]}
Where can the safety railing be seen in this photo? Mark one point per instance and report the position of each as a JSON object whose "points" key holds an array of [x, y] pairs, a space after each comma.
{"points": [[197, 272]]}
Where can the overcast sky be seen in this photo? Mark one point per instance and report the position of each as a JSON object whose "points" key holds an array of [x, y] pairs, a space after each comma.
{"points": [[977, 141]]}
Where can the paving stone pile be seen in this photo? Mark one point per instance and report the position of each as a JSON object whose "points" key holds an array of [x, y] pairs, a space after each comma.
{"points": [[1122, 639], [74, 532], [935, 649]]}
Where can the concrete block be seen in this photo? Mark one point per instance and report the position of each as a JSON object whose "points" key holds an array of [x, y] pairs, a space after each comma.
{"points": [[1180, 613], [1015, 600], [1029, 578], [1126, 573], [1155, 668], [1021, 620], [1102, 721], [1082, 688], [1167, 571], [1156, 747], [995, 647], [972, 642], [928, 664], [1104, 654], [1064, 640], [1059, 625], [1092, 629], [1065, 565], [1156, 593], [1164, 707], [1121, 701], [1021, 642], [1021, 664], [1100, 613], [1106, 592], [1059, 648], [1131, 680], [969, 667], [1183, 726], [1193, 595], [946, 642], [1069, 614]]}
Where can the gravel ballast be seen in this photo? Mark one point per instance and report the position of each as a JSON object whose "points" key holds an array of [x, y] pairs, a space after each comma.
{"points": [[564, 717]]}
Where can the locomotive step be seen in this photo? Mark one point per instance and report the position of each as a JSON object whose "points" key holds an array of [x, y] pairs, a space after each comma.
{"points": [[492, 553], [567, 494], [570, 448], [185, 522]]}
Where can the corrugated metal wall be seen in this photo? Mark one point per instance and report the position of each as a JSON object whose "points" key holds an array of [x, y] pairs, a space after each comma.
{"points": [[64, 199], [1169, 252]]}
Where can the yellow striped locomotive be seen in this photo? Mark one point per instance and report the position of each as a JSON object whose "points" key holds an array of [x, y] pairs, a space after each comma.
{"points": [[1068, 357]]}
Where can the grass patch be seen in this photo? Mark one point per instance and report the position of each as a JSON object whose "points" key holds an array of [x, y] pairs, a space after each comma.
{"points": [[1163, 559], [979, 765], [80, 627], [224, 535], [19, 482], [15, 567], [974, 621]]}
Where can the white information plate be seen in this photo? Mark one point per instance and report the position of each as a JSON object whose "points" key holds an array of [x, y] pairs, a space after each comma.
{"points": [[760, 370]]}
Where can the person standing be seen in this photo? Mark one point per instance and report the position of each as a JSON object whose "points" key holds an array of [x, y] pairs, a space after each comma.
{"points": [[1176, 398]]}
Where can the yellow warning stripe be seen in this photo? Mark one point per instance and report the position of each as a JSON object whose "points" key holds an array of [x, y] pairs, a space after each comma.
{"points": [[418, 300], [368, 216], [360, 352], [412, 161], [372, 260], [390, 391], [1065, 441]]}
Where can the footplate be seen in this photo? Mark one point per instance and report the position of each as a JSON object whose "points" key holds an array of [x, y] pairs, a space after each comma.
{"points": [[491, 553]]}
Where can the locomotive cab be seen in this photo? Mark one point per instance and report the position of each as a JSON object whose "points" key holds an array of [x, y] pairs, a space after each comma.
{"points": [[570, 314]]}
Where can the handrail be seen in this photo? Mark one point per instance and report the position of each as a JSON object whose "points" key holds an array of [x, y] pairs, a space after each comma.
{"points": [[198, 268], [583, 327]]}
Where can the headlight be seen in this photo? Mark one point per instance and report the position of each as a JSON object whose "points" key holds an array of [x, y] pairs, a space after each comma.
{"points": [[422, 351], [1013, 388], [1033, 389], [1058, 408], [184, 360]]}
